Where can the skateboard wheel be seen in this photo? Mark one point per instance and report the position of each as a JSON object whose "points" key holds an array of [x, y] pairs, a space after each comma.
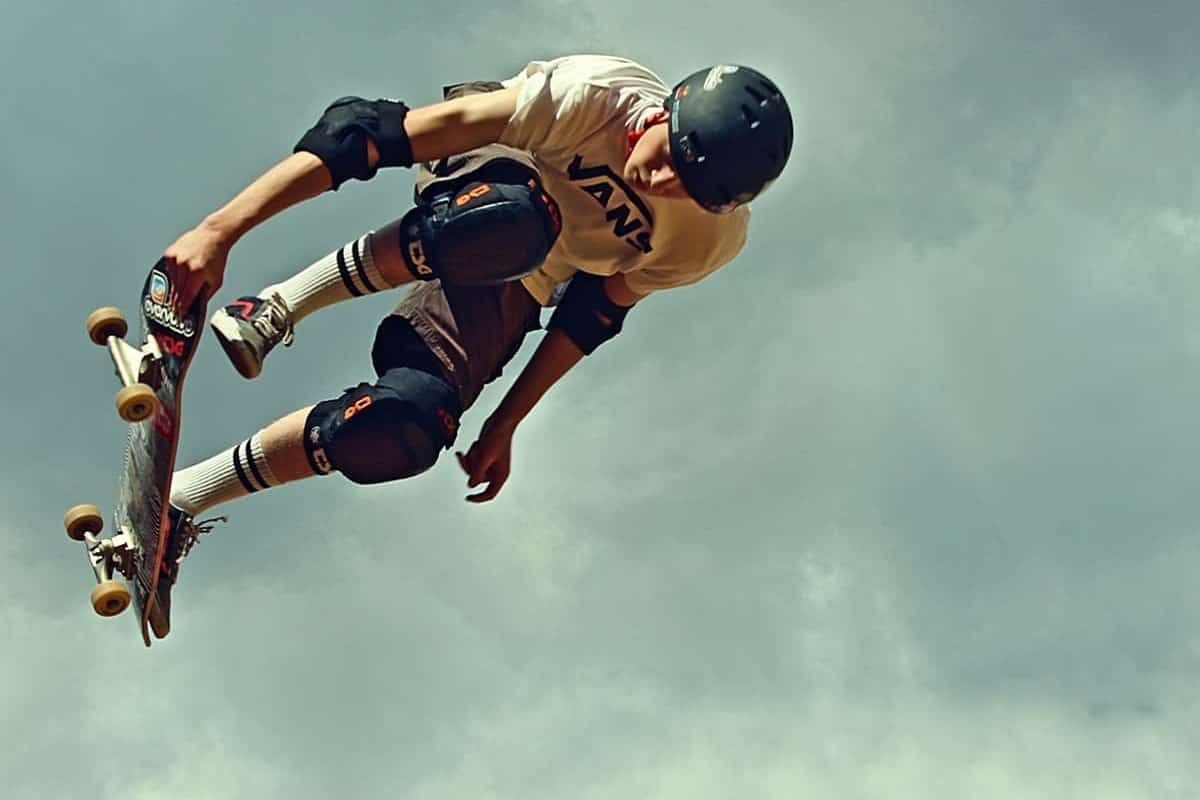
{"points": [[136, 402], [110, 598], [82, 519], [105, 322]]}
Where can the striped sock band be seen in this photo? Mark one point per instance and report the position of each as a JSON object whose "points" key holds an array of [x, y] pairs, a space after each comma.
{"points": [[357, 268], [251, 465], [234, 473], [347, 272]]}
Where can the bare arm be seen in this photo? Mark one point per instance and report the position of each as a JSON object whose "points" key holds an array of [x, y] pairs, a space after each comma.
{"points": [[489, 458], [435, 131], [458, 125], [298, 177], [554, 357]]}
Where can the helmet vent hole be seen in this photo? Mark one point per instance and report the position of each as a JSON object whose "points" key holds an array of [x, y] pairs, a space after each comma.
{"points": [[772, 89], [748, 115], [757, 95]]}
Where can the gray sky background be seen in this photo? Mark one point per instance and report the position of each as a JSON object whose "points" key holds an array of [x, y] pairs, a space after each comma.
{"points": [[900, 504]]}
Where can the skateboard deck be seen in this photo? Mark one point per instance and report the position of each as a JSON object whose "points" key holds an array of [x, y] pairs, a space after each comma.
{"points": [[145, 485], [152, 375]]}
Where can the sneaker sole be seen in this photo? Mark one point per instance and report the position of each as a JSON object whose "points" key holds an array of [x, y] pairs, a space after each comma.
{"points": [[240, 354]]}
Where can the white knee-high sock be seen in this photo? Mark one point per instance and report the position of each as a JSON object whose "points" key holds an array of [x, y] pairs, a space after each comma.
{"points": [[234, 473], [347, 272]]}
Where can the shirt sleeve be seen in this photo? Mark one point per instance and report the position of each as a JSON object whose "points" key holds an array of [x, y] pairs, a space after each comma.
{"points": [[566, 100]]}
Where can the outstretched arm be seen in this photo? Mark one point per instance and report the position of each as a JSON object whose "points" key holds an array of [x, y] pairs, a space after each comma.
{"points": [[489, 458], [435, 131], [198, 257]]}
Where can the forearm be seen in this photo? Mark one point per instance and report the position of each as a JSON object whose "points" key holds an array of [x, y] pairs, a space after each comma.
{"points": [[554, 357], [604, 303], [298, 177], [433, 132]]}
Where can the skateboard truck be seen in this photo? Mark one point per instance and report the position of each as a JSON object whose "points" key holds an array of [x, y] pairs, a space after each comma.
{"points": [[138, 369], [136, 366], [107, 557]]}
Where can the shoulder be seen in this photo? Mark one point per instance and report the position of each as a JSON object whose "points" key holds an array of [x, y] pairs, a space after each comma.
{"points": [[564, 101], [583, 72]]}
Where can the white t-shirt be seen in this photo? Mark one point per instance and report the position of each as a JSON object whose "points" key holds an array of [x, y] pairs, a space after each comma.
{"points": [[573, 116]]}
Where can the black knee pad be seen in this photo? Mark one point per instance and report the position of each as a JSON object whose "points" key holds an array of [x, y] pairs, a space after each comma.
{"points": [[392, 429], [484, 232]]}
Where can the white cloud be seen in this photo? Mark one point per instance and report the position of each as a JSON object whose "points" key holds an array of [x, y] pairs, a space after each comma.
{"points": [[897, 506], [1181, 225], [603, 739]]}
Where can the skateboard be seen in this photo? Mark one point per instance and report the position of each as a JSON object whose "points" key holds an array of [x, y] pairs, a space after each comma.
{"points": [[151, 376]]}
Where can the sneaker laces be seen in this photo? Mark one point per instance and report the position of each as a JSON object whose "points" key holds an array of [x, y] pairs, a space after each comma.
{"points": [[274, 321], [191, 533]]}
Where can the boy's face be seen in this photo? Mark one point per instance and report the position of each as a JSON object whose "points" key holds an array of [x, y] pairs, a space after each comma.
{"points": [[649, 167]]}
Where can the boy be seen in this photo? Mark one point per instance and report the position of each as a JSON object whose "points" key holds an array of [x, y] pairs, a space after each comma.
{"points": [[583, 182]]}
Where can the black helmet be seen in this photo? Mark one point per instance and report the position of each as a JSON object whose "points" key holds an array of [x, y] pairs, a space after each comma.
{"points": [[731, 134]]}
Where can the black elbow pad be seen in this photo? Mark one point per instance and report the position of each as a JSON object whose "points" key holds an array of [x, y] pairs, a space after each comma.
{"points": [[340, 136], [586, 314]]}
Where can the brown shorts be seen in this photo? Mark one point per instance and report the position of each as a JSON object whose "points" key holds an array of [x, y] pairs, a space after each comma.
{"points": [[473, 331]]}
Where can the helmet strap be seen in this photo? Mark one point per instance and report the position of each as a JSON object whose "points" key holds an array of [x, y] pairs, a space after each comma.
{"points": [[633, 137]]}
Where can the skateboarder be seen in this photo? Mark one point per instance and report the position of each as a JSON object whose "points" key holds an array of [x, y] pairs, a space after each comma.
{"points": [[583, 182]]}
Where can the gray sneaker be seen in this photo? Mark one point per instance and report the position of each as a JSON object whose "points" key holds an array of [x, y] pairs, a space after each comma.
{"points": [[249, 328], [184, 531]]}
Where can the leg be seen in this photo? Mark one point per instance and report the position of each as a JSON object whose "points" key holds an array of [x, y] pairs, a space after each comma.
{"points": [[481, 217], [388, 430], [271, 457], [437, 184], [283, 447], [348, 272], [250, 327], [432, 359], [472, 331], [392, 429], [490, 224]]}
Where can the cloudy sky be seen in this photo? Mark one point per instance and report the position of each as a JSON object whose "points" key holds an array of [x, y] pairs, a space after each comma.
{"points": [[895, 506]]}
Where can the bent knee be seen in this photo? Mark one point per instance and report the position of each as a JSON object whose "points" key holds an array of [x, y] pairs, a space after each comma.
{"points": [[376, 433], [383, 445], [482, 233]]}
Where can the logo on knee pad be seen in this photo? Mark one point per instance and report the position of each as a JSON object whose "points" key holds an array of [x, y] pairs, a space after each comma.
{"points": [[414, 252], [319, 459], [357, 406], [471, 194], [416, 257]]}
